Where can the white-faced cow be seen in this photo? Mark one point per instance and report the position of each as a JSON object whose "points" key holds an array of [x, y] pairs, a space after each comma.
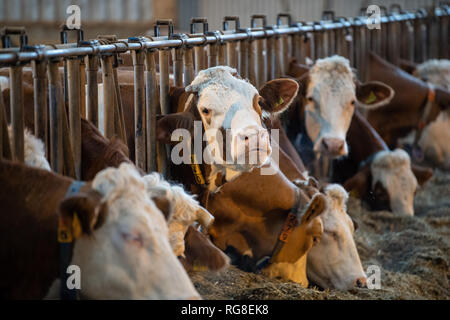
{"points": [[123, 249], [329, 96]]}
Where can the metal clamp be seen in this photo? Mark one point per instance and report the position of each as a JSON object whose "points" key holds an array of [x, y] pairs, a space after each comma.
{"points": [[94, 44], [39, 49], [261, 17], [63, 34], [237, 25], [328, 14], [8, 31], [198, 20], [284, 15], [163, 22]]}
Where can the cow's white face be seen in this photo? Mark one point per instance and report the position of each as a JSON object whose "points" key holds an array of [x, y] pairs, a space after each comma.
{"points": [[34, 150], [129, 256], [329, 105], [186, 210], [393, 170], [435, 71], [229, 106], [334, 262]]}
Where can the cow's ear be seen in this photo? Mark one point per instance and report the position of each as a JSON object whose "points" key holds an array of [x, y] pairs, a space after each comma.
{"points": [[423, 174], [373, 94], [358, 185], [164, 205], [277, 95], [167, 124], [315, 207], [442, 98], [201, 254], [83, 212]]}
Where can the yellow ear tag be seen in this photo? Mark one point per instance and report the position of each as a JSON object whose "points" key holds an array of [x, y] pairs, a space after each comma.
{"points": [[76, 226], [64, 233], [279, 102], [354, 193], [371, 98]]}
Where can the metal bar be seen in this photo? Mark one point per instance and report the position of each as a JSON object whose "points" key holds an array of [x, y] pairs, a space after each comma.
{"points": [[40, 101], [74, 95], [278, 57], [139, 108], [55, 116], [188, 66], [251, 62], [221, 56], [165, 107], [260, 63], [17, 112], [92, 89], [212, 54], [119, 119], [231, 54], [83, 88], [199, 58], [244, 60], [270, 58], [177, 58], [108, 98], [5, 146], [152, 104]]}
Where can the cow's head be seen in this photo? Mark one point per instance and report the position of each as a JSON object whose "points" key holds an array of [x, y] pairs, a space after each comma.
{"points": [[124, 251], [434, 71], [330, 94], [390, 182], [334, 262], [230, 109], [290, 262]]}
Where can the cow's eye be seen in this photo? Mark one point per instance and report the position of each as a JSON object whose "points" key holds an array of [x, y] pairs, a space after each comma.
{"points": [[310, 99], [353, 102], [205, 111]]}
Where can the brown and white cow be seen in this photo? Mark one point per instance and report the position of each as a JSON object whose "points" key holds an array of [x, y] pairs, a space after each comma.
{"points": [[406, 110], [329, 95], [384, 179], [123, 251], [238, 204]]}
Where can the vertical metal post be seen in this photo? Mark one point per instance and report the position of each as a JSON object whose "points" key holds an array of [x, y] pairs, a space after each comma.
{"points": [[213, 51], [40, 101], [244, 62], [163, 163], [56, 108], [260, 63], [74, 95], [199, 58], [221, 56], [252, 63], [108, 97], [92, 89], [188, 66], [270, 58], [152, 104], [177, 58], [17, 113], [139, 108]]}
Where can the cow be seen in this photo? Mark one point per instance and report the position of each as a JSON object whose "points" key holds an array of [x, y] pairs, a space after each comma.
{"points": [[328, 97], [384, 179], [434, 138], [122, 247], [407, 111], [99, 153], [34, 150], [364, 169], [240, 197]]}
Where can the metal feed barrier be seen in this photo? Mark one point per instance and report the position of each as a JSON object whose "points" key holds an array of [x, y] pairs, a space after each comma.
{"points": [[259, 53]]}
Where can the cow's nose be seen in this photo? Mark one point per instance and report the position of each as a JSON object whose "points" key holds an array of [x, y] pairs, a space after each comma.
{"points": [[253, 135], [333, 145], [361, 282]]}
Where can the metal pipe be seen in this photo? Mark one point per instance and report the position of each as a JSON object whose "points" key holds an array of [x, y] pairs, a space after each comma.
{"points": [[163, 150], [139, 108], [56, 109], [17, 112], [188, 66], [244, 61], [177, 58], [152, 104], [92, 89], [74, 94], [108, 98], [40, 101]]}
